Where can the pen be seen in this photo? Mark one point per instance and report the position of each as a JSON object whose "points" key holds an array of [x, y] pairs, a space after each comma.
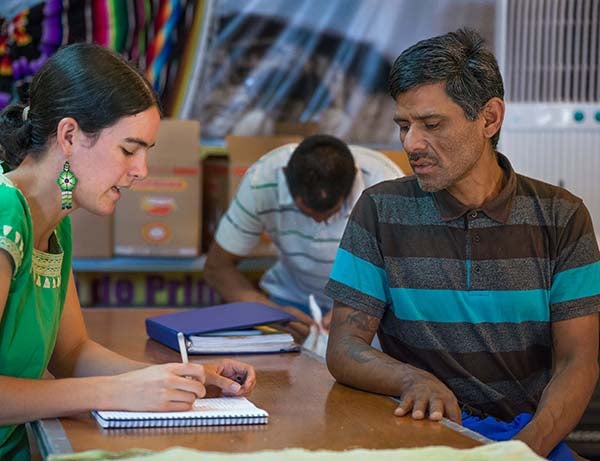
{"points": [[182, 347], [240, 379]]}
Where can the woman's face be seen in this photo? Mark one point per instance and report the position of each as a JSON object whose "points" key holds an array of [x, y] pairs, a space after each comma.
{"points": [[113, 162]]}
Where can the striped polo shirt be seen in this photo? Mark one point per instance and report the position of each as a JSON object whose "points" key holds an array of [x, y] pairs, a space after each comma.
{"points": [[469, 294], [307, 248]]}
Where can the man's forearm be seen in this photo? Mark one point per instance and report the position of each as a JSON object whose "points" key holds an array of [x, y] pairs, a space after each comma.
{"points": [[355, 363], [352, 361], [233, 286], [563, 402]]}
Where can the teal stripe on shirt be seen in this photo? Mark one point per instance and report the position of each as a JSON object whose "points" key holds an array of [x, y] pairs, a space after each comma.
{"points": [[472, 306], [360, 275], [579, 282], [294, 233], [245, 210], [475, 306], [266, 185]]}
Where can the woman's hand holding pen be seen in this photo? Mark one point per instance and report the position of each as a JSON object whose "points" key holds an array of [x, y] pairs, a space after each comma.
{"points": [[156, 388], [175, 386], [168, 387], [231, 376]]}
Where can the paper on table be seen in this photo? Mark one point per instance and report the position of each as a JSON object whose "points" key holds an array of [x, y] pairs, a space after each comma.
{"points": [[316, 341], [241, 343]]}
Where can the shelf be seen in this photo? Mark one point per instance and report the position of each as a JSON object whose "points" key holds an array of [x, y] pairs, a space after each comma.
{"points": [[152, 264]]}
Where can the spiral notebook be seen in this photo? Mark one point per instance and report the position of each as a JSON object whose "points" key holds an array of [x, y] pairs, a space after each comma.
{"points": [[217, 411]]}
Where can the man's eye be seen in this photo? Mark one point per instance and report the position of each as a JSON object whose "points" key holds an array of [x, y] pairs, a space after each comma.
{"points": [[431, 126], [403, 128], [126, 152]]}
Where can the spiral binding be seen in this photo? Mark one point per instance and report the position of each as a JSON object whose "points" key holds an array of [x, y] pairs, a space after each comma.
{"points": [[179, 421]]}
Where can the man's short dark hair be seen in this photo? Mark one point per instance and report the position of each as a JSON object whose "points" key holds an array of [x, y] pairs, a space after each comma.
{"points": [[321, 172], [459, 59]]}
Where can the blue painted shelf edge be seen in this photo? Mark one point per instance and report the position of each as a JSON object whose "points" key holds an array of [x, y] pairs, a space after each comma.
{"points": [[153, 264]]}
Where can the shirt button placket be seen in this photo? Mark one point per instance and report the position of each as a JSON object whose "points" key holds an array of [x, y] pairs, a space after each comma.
{"points": [[476, 239]]}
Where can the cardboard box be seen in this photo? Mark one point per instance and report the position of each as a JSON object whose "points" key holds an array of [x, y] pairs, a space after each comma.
{"points": [[215, 202], [160, 216], [243, 151], [215, 198], [303, 129], [92, 235], [400, 158]]}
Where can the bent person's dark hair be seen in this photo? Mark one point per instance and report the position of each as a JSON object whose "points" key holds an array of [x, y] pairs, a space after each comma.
{"points": [[92, 84], [459, 59], [321, 172]]}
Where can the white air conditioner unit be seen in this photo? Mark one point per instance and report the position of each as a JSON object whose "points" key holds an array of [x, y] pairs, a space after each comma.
{"points": [[549, 55]]}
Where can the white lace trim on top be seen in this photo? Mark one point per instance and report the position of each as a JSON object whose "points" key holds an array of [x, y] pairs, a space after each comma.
{"points": [[12, 242], [13, 250], [46, 268]]}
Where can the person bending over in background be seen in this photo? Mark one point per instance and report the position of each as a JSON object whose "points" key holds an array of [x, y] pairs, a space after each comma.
{"points": [[301, 195], [85, 135], [483, 285]]}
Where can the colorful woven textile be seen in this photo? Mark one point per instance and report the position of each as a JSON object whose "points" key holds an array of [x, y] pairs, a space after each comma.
{"points": [[150, 33]]}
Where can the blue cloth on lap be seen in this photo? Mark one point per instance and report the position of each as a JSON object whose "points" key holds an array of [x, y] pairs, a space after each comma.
{"points": [[499, 431]]}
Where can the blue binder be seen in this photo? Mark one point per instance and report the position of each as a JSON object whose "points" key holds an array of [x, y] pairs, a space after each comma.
{"points": [[232, 316]]}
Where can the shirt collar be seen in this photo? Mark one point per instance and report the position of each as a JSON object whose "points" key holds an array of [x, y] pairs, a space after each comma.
{"points": [[497, 208]]}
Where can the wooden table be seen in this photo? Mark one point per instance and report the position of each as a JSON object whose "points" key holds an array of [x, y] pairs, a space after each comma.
{"points": [[307, 408]]}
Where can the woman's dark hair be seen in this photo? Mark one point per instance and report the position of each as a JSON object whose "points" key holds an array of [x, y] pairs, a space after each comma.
{"points": [[94, 85], [321, 172], [459, 59]]}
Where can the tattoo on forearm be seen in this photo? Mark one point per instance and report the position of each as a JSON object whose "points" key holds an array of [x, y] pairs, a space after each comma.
{"points": [[361, 321], [358, 352]]}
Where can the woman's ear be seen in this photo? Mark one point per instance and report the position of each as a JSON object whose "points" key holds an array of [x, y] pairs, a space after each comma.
{"points": [[67, 131], [493, 115]]}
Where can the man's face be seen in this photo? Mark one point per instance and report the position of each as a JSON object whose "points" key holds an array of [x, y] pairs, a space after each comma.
{"points": [[318, 216], [443, 147]]}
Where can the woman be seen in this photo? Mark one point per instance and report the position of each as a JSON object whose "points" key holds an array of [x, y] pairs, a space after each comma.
{"points": [[85, 135]]}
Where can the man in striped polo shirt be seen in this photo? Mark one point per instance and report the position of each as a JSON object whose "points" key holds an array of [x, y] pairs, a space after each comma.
{"points": [[301, 195], [482, 285]]}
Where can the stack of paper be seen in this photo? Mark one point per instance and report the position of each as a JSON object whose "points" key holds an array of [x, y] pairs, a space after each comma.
{"points": [[246, 342]]}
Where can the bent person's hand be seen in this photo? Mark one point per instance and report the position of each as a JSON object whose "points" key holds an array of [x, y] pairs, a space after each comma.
{"points": [[165, 387], [300, 329], [326, 322], [231, 376], [425, 396]]}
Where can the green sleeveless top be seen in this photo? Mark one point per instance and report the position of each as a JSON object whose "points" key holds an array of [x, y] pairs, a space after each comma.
{"points": [[36, 297]]}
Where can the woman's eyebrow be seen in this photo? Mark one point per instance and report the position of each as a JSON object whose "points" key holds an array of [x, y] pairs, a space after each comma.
{"points": [[139, 141]]}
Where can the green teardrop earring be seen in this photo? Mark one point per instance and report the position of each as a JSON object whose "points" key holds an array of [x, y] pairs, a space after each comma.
{"points": [[66, 181]]}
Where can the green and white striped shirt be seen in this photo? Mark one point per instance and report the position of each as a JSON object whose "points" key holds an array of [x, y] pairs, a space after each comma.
{"points": [[307, 248]]}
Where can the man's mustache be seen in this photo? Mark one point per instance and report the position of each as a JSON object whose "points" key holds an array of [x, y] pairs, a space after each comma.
{"points": [[415, 156]]}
